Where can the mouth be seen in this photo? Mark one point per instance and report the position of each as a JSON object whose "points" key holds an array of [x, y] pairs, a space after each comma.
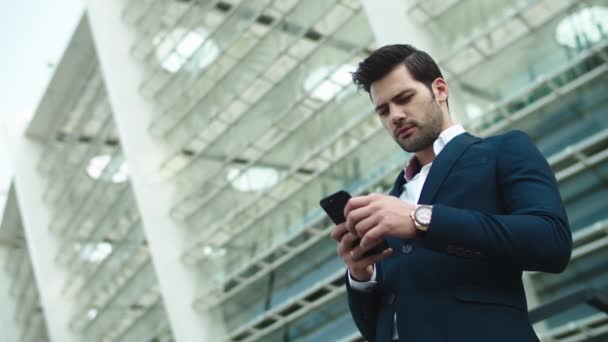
{"points": [[405, 130]]}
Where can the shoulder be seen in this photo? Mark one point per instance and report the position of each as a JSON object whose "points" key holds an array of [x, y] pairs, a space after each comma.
{"points": [[510, 135], [507, 147], [510, 139], [516, 149]]}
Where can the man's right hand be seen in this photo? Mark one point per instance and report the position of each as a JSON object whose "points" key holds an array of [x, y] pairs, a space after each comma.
{"points": [[361, 269]]}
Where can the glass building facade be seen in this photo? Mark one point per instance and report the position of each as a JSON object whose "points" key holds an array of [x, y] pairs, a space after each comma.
{"points": [[182, 148]]}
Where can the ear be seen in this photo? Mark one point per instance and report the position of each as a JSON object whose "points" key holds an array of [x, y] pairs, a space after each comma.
{"points": [[440, 89]]}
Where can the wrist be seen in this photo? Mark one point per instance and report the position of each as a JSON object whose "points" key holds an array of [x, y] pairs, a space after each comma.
{"points": [[362, 275], [421, 216]]}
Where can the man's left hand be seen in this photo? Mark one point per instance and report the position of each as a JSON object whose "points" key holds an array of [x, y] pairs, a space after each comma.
{"points": [[375, 216]]}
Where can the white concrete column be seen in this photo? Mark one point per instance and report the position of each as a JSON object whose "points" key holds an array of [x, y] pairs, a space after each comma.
{"points": [[43, 246], [9, 230], [9, 331], [391, 25], [132, 113], [8, 328]]}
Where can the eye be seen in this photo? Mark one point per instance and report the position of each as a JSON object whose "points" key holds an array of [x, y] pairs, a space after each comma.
{"points": [[404, 99], [383, 112]]}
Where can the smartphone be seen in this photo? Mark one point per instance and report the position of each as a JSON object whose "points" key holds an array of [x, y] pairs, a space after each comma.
{"points": [[334, 205]]}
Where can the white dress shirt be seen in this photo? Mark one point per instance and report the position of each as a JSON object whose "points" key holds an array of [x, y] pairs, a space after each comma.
{"points": [[411, 194]]}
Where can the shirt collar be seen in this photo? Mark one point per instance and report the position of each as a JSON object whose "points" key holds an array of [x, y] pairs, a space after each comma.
{"points": [[446, 136], [414, 166]]}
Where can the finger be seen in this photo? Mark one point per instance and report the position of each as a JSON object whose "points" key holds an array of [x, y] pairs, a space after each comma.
{"points": [[372, 259], [356, 202], [358, 252], [377, 257], [356, 215], [361, 213], [372, 237], [338, 232], [366, 224], [350, 226], [345, 245]]}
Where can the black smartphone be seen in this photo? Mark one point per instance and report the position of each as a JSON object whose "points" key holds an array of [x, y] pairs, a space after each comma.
{"points": [[333, 205]]}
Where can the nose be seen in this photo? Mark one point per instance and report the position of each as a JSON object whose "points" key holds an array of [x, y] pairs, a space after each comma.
{"points": [[396, 113]]}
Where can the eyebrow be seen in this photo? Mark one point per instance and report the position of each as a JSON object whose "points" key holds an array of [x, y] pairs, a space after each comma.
{"points": [[392, 99]]}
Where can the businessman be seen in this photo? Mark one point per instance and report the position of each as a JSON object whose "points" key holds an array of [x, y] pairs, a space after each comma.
{"points": [[464, 218]]}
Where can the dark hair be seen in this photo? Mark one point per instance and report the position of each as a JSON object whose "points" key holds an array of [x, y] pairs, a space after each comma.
{"points": [[377, 65]]}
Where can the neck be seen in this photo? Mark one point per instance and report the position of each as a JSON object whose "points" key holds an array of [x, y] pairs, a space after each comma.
{"points": [[426, 155]]}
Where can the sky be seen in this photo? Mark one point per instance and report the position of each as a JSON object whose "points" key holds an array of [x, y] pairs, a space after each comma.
{"points": [[34, 34]]}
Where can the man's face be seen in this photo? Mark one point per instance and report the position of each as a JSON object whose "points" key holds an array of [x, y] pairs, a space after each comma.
{"points": [[408, 109]]}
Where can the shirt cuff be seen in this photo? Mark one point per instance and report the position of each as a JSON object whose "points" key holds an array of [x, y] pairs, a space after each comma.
{"points": [[363, 286]]}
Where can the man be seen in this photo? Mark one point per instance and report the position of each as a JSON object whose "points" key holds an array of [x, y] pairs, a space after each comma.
{"points": [[463, 220]]}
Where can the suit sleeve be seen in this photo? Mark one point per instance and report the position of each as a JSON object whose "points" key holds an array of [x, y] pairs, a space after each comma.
{"points": [[364, 307], [533, 234]]}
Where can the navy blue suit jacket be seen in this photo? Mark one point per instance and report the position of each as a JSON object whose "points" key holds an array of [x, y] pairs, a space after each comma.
{"points": [[497, 212]]}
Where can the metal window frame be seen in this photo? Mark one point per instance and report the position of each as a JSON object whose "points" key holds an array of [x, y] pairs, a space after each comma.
{"points": [[588, 295], [192, 254], [57, 159], [157, 69], [91, 272], [310, 231], [515, 15], [579, 330], [263, 152], [168, 110], [51, 163], [302, 101], [260, 151], [323, 291], [430, 16], [510, 118]]}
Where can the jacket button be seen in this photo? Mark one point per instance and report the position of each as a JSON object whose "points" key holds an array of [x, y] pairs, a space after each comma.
{"points": [[407, 248]]}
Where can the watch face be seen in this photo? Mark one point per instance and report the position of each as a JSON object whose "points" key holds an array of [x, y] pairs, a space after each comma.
{"points": [[423, 215]]}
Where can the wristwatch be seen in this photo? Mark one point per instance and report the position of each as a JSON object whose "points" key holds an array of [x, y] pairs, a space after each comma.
{"points": [[421, 216]]}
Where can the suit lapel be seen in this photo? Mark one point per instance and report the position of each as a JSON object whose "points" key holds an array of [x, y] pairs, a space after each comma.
{"points": [[442, 165], [398, 185]]}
